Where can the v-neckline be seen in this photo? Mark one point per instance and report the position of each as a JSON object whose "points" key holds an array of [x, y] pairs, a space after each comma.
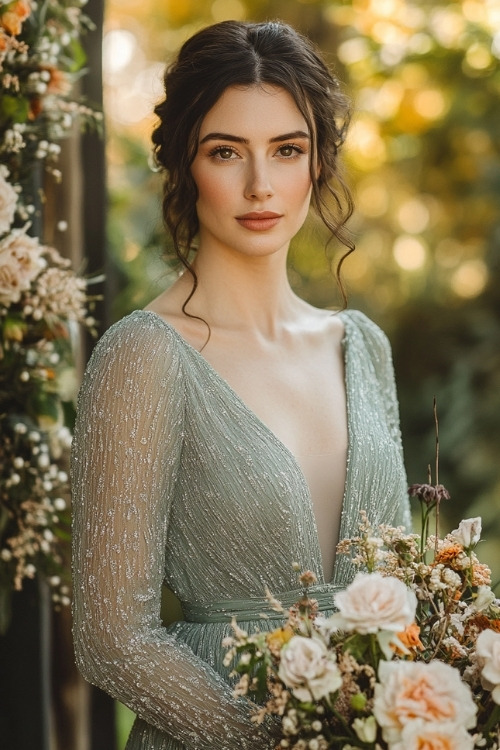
{"points": [[272, 435]]}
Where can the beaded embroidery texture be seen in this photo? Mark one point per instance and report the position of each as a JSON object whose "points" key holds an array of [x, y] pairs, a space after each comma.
{"points": [[176, 481]]}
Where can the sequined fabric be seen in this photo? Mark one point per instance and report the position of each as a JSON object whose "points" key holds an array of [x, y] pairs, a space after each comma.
{"points": [[176, 480]]}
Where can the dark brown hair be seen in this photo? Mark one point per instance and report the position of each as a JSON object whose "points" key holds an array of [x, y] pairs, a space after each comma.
{"points": [[233, 53]]}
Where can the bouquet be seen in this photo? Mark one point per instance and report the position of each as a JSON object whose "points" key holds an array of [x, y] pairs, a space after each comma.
{"points": [[410, 659]]}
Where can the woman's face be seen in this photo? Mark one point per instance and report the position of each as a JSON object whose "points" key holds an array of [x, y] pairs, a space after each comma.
{"points": [[252, 172]]}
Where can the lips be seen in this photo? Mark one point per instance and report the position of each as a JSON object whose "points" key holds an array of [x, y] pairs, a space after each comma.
{"points": [[259, 221]]}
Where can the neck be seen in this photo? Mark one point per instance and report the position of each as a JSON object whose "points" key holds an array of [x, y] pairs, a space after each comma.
{"points": [[243, 292]]}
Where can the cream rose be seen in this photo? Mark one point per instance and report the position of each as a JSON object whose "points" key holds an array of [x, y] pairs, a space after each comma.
{"points": [[8, 202], [309, 669], [20, 262], [410, 691], [418, 734], [488, 653], [374, 602], [485, 597], [468, 533]]}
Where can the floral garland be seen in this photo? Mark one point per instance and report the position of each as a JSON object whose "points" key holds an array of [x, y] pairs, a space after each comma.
{"points": [[42, 300]]}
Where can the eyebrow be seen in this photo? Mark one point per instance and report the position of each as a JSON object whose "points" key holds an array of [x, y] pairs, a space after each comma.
{"points": [[239, 139]]}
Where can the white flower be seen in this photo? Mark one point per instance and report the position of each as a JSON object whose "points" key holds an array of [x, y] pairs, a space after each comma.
{"points": [[408, 691], [309, 669], [438, 735], [366, 729], [485, 597], [468, 533], [374, 602], [289, 725], [8, 201], [488, 653], [20, 262]]}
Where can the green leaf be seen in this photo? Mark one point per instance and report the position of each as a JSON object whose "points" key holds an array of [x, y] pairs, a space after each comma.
{"points": [[13, 108], [77, 56], [46, 407]]}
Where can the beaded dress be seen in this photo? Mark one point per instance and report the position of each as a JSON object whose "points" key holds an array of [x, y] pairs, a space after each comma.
{"points": [[176, 481]]}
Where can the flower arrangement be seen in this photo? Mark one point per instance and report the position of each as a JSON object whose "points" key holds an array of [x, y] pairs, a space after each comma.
{"points": [[409, 661], [42, 300]]}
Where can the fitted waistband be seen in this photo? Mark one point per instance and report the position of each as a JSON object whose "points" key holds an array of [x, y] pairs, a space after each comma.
{"points": [[255, 608]]}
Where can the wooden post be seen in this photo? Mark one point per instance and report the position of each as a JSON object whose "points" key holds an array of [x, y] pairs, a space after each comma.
{"points": [[25, 718]]}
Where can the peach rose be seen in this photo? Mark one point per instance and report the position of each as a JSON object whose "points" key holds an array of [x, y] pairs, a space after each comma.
{"points": [[8, 202], [309, 669], [488, 653], [374, 602], [418, 735], [20, 263], [415, 691]]}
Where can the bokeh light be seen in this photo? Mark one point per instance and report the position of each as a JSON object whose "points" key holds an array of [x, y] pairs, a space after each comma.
{"points": [[470, 278], [409, 252]]}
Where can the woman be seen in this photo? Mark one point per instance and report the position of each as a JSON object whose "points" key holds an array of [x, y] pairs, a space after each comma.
{"points": [[230, 429]]}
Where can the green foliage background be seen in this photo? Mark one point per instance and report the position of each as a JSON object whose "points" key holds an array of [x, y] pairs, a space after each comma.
{"points": [[424, 160]]}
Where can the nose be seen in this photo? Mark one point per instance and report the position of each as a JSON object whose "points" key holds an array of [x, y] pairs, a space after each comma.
{"points": [[258, 181]]}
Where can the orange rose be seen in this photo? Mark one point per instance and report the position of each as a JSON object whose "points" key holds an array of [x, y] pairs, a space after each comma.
{"points": [[22, 9], [11, 23], [12, 19], [449, 553], [35, 107], [409, 637], [59, 82]]}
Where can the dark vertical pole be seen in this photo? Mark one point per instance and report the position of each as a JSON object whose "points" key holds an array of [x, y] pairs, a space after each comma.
{"points": [[94, 170], [102, 719], [25, 672]]}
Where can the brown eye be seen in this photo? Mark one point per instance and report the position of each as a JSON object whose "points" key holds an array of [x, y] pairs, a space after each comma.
{"points": [[290, 150], [225, 153]]}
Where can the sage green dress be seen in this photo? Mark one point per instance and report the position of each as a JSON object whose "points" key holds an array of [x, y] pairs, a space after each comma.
{"points": [[176, 481]]}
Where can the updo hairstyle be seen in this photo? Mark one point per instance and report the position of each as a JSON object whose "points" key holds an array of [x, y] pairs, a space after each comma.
{"points": [[233, 53]]}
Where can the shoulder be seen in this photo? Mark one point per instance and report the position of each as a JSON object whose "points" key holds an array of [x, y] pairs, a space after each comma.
{"points": [[361, 330], [138, 331], [138, 343], [138, 326]]}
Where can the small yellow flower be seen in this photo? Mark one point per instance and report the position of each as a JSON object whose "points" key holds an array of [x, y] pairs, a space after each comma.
{"points": [[276, 639]]}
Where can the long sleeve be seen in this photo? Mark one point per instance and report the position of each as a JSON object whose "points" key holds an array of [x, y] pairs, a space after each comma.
{"points": [[380, 357], [125, 457]]}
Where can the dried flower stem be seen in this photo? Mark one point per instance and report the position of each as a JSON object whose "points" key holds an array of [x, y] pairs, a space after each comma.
{"points": [[436, 426]]}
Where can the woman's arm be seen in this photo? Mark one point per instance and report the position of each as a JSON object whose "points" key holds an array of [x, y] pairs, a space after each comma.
{"points": [[380, 355], [126, 451]]}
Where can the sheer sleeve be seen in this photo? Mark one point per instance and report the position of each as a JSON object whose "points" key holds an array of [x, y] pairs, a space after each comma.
{"points": [[379, 349], [125, 456]]}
